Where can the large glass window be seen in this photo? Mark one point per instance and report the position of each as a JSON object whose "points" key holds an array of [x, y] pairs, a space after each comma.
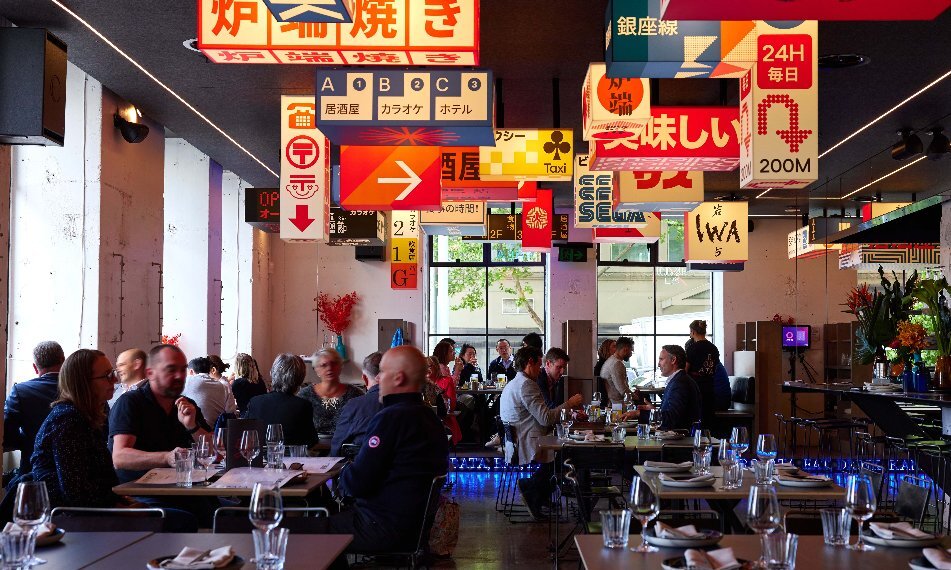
{"points": [[480, 292], [647, 293]]}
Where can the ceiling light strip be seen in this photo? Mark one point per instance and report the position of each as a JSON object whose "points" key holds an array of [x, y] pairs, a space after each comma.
{"points": [[763, 193], [148, 74], [916, 161]]}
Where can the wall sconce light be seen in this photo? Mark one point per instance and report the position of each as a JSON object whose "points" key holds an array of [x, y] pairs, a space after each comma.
{"points": [[131, 132], [908, 146], [940, 145]]}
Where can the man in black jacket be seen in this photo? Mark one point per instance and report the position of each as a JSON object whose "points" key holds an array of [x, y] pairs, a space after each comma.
{"points": [[357, 413], [282, 406]]}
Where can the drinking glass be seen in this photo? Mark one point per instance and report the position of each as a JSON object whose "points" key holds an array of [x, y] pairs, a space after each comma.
{"points": [[596, 399], [274, 458], [31, 509], [205, 453], [618, 434], [221, 442], [835, 526], [726, 456], [184, 466], [740, 439], [628, 403], [701, 451], [781, 550], [274, 434], [644, 506], [762, 514], [270, 548], [16, 548], [266, 512], [615, 528], [860, 502], [655, 421], [250, 446], [763, 471]]}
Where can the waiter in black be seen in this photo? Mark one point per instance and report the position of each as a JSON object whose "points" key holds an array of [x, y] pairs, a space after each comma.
{"points": [[404, 449]]}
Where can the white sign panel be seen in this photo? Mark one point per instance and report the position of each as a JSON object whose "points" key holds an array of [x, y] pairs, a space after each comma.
{"points": [[305, 173]]}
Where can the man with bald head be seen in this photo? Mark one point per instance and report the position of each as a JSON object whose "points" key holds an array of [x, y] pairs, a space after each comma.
{"points": [[130, 366], [404, 449]]}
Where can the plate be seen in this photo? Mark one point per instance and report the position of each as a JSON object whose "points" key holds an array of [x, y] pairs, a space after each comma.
{"points": [[688, 484], [711, 537], [668, 435], [919, 563], [53, 538], [156, 564], [672, 469], [803, 483], [873, 538], [680, 563]]}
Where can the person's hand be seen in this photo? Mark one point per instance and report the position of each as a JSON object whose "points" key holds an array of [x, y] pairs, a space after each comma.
{"points": [[170, 456], [645, 407], [187, 414], [632, 415], [574, 401]]}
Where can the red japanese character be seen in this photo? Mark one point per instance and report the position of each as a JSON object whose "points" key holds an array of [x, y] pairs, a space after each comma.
{"points": [[374, 16], [445, 9], [244, 10]]}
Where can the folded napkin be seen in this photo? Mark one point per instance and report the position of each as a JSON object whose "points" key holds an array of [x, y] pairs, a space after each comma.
{"points": [[939, 558], [667, 465], [721, 559], [666, 531], [664, 478], [669, 435], [45, 529], [197, 559], [592, 437], [797, 475], [897, 530], [785, 466]]}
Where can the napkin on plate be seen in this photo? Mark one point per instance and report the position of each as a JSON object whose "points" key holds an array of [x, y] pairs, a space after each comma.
{"points": [[45, 529], [591, 437], [666, 531], [664, 478], [196, 559], [669, 435], [721, 559], [939, 558], [897, 530], [667, 465]]}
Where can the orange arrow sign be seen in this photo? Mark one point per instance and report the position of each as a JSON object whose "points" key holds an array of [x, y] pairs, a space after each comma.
{"points": [[390, 178]]}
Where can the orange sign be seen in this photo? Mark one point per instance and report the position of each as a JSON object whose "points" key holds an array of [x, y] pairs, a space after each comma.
{"points": [[390, 178]]}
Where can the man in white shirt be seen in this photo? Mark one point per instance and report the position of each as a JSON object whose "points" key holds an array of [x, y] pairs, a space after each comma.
{"points": [[213, 397], [615, 373], [130, 366]]}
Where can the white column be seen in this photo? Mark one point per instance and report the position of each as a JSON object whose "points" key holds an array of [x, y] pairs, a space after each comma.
{"points": [[238, 253]]}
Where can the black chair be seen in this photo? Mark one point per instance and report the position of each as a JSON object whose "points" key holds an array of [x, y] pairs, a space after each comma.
{"points": [[88, 519], [585, 469], [701, 519], [235, 429], [349, 450], [302, 520]]}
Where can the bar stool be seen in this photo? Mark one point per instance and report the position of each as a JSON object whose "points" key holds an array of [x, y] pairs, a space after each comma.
{"points": [[505, 498], [829, 454], [786, 436]]}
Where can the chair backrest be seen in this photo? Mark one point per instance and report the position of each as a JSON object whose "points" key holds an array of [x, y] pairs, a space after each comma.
{"points": [[349, 450], [912, 500], [743, 390], [235, 429], [876, 473], [301, 520], [84, 519], [429, 514]]}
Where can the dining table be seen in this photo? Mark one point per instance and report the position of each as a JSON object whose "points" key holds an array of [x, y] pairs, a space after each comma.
{"points": [[829, 492], [80, 549], [136, 489]]}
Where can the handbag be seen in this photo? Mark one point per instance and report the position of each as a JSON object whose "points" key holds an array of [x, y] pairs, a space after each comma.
{"points": [[444, 534]]}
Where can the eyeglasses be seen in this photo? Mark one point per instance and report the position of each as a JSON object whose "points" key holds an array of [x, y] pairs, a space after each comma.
{"points": [[113, 375]]}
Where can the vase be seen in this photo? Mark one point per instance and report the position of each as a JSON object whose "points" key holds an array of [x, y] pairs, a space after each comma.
{"points": [[908, 378], [880, 367], [942, 373], [922, 380], [341, 349]]}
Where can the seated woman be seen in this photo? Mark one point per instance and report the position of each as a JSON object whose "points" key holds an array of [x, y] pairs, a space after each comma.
{"points": [[329, 395], [247, 382], [445, 388], [281, 406]]}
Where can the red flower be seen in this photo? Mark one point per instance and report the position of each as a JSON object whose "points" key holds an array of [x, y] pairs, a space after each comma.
{"points": [[335, 312], [172, 340], [895, 344]]}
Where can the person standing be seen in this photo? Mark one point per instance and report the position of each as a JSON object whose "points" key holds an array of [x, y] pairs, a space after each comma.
{"points": [[504, 364], [703, 357], [615, 373]]}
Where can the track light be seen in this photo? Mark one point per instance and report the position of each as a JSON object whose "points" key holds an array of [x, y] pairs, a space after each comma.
{"points": [[908, 146], [940, 145], [131, 132]]}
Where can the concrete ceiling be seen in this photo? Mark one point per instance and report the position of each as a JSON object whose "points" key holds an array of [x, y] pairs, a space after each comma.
{"points": [[527, 43]]}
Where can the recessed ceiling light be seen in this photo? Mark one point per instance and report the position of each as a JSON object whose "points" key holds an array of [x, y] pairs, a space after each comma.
{"points": [[192, 45], [842, 60]]}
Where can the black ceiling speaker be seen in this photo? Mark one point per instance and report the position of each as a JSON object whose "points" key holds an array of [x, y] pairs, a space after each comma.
{"points": [[908, 146], [32, 87], [940, 145], [131, 132]]}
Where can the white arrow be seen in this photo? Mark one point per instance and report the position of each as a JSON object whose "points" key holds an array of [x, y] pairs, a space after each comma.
{"points": [[411, 182]]}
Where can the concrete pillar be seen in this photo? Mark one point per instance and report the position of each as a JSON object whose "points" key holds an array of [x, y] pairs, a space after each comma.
{"points": [[572, 289], [946, 239], [4, 260]]}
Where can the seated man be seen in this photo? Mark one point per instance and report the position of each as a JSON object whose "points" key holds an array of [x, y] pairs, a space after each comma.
{"points": [[213, 397], [29, 402], [550, 377], [681, 405], [504, 364], [523, 407], [391, 477], [357, 413]]}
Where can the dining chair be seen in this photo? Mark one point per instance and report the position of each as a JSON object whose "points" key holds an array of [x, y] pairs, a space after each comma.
{"points": [[300, 520], [89, 519]]}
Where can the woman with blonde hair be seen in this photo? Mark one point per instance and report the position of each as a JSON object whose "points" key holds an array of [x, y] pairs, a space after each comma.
{"points": [[247, 382]]}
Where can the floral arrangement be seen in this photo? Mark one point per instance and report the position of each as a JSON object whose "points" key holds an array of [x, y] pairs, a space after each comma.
{"points": [[335, 312], [878, 313], [173, 340], [909, 342], [784, 319], [932, 292]]}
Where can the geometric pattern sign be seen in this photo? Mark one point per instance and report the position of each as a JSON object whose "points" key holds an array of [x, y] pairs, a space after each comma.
{"points": [[594, 200], [528, 154], [870, 256]]}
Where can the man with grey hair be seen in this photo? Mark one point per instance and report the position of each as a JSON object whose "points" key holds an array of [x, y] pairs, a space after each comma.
{"points": [[357, 413], [29, 402], [282, 406]]}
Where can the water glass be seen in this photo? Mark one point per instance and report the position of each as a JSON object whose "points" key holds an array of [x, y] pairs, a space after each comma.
{"points": [[643, 431], [836, 524], [275, 455], [780, 550], [561, 432], [184, 464], [17, 549], [618, 434], [270, 548], [296, 450], [732, 476], [274, 433], [701, 460], [615, 528], [763, 471]]}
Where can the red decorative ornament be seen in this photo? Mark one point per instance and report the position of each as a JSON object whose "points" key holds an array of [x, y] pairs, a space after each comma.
{"points": [[335, 312], [172, 340]]}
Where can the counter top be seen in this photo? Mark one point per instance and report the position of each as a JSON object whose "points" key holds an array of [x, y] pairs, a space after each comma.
{"points": [[940, 399]]}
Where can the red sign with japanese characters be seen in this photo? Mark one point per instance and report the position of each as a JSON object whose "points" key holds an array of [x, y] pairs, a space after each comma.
{"points": [[785, 61], [390, 178], [537, 218], [676, 138], [383, 32], [853, 10]]}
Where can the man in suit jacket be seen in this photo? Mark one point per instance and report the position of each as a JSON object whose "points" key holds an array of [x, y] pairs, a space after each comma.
{"points": [[357, 413], [681, 405], [29, 402], [524, 408], [282, 406]]}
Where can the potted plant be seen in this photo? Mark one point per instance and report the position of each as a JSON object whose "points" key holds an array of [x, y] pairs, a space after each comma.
{"points": [[932, 292], [878, 314], [335, 313]]}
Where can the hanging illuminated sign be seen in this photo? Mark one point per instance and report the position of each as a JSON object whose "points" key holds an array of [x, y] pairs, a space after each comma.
{"points": [[389, 178], [456, 219], [641, 44], [262, 209], [528, 154], [305, 173], [676, 191], [537, 218], [383, 32], [317, 11], [404, 249], [779, 108], [798, 245], [461, 181], [508, 227], [676, 138], [613, 108], [853, 10], [594, 200], [419, 108], [357, 227], [717, 232], [649, 233]]}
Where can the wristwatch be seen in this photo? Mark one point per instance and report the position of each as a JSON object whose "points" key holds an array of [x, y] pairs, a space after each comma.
{"points": [[193, 430]]}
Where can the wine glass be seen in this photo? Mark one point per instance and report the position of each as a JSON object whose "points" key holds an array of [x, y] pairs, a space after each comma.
{"points": [[31, 509], [221, 442], [860, 502], [644, 506], [740, 441], [250, 445], [701, 451], [275, 434], [266, 511], [766, 446], [205, 453], [762, 515]]}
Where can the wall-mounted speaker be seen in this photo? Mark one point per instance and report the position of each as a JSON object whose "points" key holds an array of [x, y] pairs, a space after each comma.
{"points": [[32, 87]]}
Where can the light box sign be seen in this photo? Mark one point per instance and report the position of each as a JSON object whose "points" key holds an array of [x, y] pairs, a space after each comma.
{"points": [[779, 108], [305, 173], [896, 256], [613, 108], [717, 232], [641, 44], [318, 11], [389, 178], [798, 245], [672, 191], [676, 138], [528, 154], [594, 200], [262, 209], [508, 227], [456, 219], [357, 227], [404, 249], [461, 181], [853, 10], [383, 32], [419, 108], [537, 220]]}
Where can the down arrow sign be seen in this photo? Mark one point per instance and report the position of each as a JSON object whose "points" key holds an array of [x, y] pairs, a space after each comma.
{"points": [[302, 220]]}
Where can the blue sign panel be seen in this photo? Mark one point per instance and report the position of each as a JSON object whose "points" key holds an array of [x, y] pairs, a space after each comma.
{"points": [[313, 11]]}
